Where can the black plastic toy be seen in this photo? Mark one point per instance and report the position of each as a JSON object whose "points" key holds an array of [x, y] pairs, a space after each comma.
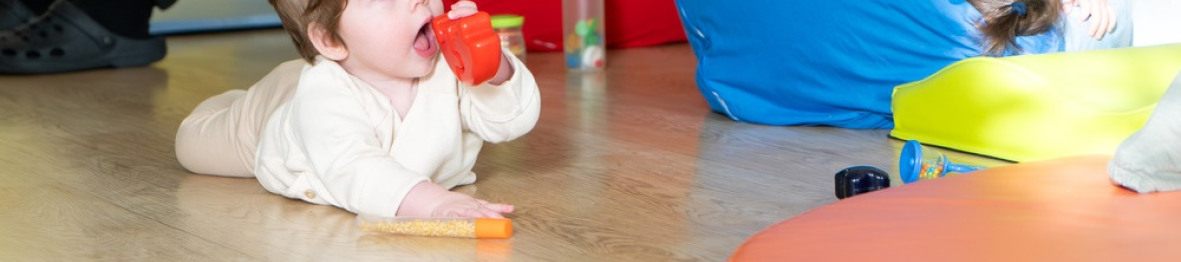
{"points": [[857, 180]]}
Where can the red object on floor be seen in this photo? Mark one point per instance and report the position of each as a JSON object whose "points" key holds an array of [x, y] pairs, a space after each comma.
{"points": [[630, 23], [1059, 210]]}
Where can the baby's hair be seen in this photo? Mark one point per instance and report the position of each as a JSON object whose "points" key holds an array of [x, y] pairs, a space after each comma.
{"points": [[296, 15], [1004, 20]]}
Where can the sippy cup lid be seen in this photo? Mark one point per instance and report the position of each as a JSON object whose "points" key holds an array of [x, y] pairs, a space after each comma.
{"points": [[507, 21]]}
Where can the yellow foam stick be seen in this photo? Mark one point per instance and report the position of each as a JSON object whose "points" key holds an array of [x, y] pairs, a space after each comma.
{"points": [[440, 227]]}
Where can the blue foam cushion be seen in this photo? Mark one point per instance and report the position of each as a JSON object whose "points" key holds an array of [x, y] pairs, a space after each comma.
{"points": [[833, 62]]}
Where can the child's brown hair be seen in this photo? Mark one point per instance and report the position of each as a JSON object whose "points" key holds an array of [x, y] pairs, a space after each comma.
{"points": [[296, 15], [1004, 20]]}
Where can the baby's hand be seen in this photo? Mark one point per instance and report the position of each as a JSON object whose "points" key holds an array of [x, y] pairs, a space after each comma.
{"points": [[428, 199], [461, 205], [1099, 12], [462, 9]]}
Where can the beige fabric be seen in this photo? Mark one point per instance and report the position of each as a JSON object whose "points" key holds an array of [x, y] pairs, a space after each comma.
{"points": [[220, 136]]}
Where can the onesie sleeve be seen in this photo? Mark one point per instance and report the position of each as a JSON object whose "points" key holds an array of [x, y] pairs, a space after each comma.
{"points": [[499, 113]]}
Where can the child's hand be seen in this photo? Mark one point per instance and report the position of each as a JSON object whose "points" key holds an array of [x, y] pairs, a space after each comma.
{"points": [[431, 200], [462, 9], [1099, 12], [461, 205]]}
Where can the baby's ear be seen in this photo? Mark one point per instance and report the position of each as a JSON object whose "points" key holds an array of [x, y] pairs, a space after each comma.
{"points": [[327, 44]]}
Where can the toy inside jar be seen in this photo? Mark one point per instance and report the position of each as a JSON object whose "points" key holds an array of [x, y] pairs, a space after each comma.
{"points": [[585, 46]]}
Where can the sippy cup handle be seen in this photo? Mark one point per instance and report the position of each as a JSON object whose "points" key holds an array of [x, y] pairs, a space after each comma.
{"points": [[470, 46]]}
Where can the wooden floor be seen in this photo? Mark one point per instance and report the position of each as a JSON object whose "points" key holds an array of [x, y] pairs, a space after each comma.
{"points": [[626, 165]]}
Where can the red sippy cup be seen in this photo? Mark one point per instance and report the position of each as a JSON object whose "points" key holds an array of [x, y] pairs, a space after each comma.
{"points": [[470, 46]]}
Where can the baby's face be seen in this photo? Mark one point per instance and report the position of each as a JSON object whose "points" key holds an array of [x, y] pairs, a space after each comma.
{"points": [[390, 39]]}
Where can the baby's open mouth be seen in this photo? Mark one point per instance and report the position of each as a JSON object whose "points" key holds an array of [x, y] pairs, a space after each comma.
{"points": [[424, 42]]}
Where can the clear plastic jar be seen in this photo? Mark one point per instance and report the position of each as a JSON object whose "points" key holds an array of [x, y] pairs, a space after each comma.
{"points": [[509, 29], [585, 44]]}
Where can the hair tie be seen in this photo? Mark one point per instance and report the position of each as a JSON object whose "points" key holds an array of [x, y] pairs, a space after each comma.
{"points": [[1018, 8]]}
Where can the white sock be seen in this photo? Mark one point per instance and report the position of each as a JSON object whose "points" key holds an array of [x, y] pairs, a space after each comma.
{"points": [[1150, 160]]}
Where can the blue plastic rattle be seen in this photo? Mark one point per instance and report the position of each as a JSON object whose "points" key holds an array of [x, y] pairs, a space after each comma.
{"points": [[915, 164]]}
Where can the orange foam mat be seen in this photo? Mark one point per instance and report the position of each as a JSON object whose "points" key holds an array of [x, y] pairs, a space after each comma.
{"points": [[1065, 209]]}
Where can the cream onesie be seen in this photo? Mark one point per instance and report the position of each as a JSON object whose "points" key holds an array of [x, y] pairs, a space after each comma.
{"points": [[339, 142]]}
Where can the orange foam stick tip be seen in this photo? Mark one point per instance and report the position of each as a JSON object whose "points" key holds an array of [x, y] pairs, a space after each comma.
{"points": [[494, 228]]}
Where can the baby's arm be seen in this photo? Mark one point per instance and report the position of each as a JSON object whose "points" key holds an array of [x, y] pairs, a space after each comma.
{"points": [[499, 113], [505, 107]]}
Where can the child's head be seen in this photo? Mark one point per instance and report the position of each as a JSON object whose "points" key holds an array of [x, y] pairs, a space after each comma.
{"points": [[376, 39], [1004, 20]]}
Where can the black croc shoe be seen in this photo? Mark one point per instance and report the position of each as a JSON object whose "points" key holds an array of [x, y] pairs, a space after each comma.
{"points": [[14, 13], [162, 4], [66, 39]]}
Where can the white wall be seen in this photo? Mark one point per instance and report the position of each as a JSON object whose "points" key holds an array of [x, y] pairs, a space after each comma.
{"points": [[1156, 22], [204, 15]]}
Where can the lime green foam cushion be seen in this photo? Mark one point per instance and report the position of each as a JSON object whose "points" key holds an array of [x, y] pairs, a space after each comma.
{"points": [[1035, 107]]}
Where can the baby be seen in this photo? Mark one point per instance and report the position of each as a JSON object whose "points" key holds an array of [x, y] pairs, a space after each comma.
{"points": [[372, 120]]}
